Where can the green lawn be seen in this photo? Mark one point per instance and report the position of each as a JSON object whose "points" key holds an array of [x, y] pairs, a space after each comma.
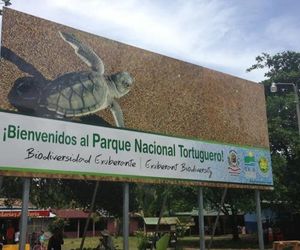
{"points": [[223, 242], [92, 242], [220, 242]]}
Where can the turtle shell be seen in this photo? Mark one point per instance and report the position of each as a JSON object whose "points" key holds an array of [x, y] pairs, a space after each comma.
{"points": [[76, 94]]}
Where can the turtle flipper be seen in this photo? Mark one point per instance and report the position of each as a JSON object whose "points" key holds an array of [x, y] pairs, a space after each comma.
{"points": [[85, 53], [117, 114]]}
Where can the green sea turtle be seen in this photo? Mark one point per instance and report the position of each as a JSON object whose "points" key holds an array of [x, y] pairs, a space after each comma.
{"points": [[76, 93]]}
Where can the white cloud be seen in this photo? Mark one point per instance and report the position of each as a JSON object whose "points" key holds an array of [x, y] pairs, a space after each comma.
{"points": [[225, 35], [284, 30]]}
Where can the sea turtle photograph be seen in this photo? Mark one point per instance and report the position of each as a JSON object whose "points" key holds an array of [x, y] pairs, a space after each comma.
{"points": [[55, 71], [74, 94]]}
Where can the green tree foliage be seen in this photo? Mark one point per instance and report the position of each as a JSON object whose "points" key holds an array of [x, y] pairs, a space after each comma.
{"points": [[50, 193], [11, 188], [182, 199], [58, 193], [282, 67], [149, 199], [57, 224]]}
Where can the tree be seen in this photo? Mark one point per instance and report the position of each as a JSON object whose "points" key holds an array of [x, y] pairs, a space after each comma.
{"points": [[284, 142], [77, 193], [282, 124], [235, 202], [58, 193]]}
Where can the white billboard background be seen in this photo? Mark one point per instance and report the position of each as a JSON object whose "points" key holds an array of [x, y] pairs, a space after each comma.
{"points": [[222, 163]]}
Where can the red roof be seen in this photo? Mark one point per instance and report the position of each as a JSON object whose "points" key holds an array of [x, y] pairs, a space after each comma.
{"points": [[70, 213]]}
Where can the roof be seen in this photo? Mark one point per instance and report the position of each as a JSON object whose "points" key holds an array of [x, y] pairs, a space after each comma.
{"points": [[163, 221], [187, 221], [195, 213], [70, 213], [210, 212]]}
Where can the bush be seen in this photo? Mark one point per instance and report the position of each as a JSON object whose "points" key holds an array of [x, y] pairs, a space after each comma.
{"points": [[142, 241], [57, 225]]}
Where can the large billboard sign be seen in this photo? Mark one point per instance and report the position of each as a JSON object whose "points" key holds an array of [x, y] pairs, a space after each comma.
{"points": [[51, 147], [200, 126]]}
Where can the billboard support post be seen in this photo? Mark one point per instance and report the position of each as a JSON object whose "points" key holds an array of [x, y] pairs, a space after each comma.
{"points": [[125, 216], [90, 214], [24, 214], [201, 218], [259, 221]]}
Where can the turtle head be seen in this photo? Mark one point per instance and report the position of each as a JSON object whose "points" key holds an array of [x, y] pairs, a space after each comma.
{"points": [[123, 82]]}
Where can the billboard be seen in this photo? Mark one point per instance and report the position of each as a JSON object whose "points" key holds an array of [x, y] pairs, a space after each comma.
{"points": [[53, 71]]}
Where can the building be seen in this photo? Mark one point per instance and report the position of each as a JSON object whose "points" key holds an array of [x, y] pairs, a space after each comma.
{"points": [[10, 212]]}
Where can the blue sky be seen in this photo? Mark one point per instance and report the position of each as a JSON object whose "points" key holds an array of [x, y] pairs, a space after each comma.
{"points": [[225, 35]]}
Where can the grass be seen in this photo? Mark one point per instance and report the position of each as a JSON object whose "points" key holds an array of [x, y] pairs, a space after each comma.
{"points": [[92, 242], [223, 242], [220, 242]]}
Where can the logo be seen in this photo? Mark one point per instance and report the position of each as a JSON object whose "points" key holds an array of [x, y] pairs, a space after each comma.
{"points": [[249, 159], [263, 164], [233, 161], [250, 172]]}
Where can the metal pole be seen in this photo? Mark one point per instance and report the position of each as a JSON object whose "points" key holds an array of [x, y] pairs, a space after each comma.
{"points": [[160, 217], [89, 216], [24, 214], [259, 221], [1, 182], [296, 90], [201, 219], [126, 216], [162, 209], [217, 219]]}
